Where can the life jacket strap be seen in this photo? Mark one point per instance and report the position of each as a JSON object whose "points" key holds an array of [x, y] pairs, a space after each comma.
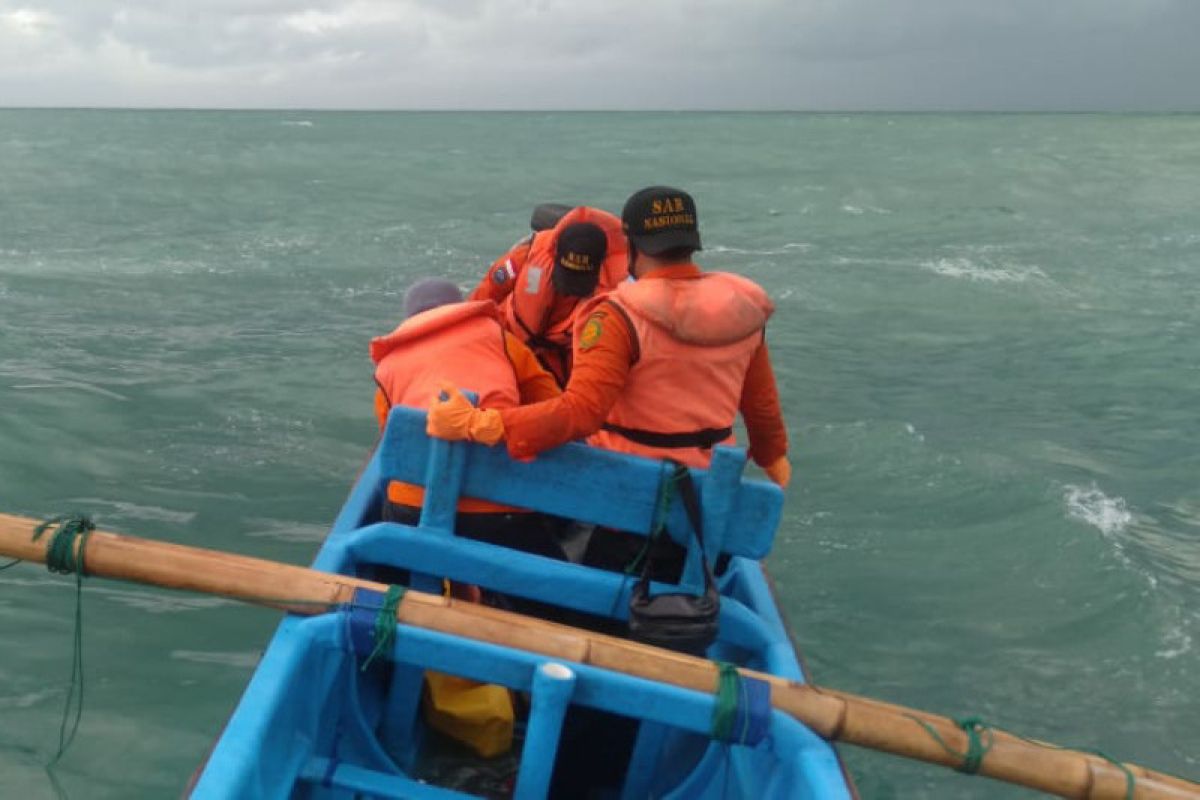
{"points": [[704, 438], [537, 340]]}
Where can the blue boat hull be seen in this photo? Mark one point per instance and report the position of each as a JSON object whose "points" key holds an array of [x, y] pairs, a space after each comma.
{"points": [[313, 722]]}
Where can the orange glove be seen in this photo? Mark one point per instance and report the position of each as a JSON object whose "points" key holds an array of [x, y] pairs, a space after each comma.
{"points": [[780, 471], [454, 418]]}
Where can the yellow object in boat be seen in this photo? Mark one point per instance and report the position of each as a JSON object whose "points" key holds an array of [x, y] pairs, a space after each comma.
{"points": [[479, 715]]}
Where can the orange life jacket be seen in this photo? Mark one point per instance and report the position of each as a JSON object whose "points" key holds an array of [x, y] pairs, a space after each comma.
{"points": [[695, 339], [462, 343], [536, 314]]}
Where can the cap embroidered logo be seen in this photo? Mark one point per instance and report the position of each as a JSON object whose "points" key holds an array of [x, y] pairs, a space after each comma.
{"points": [[581, 262]]}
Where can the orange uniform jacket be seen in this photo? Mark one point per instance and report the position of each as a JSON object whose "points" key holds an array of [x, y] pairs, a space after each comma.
{"points": [[605, 351], [502, 274]]}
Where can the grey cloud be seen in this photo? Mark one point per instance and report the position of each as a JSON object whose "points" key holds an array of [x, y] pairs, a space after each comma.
{"points": [[621, 53]]}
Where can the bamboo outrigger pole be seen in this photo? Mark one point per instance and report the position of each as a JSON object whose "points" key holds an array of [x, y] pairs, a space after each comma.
{"points": [[837, 716]]}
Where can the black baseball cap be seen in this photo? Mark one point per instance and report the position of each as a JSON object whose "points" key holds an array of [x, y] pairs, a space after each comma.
{"points": [[578, 255], [660, 218]]}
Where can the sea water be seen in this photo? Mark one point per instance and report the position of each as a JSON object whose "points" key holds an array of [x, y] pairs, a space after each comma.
{"points": [[986, 340]]}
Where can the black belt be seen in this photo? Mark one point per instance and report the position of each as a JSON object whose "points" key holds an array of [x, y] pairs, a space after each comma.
{"points": [[704, 438]]}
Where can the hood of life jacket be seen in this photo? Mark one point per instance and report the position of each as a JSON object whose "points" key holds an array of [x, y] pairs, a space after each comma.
{"points": [[712, 309], [431, 321]]}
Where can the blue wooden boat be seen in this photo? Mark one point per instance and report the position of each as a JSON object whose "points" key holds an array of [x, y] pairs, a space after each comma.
{"points": [[314, 723]]}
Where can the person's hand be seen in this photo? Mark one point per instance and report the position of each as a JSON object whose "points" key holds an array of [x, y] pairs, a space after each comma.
{"points": [[453, 417], [779, 471]]}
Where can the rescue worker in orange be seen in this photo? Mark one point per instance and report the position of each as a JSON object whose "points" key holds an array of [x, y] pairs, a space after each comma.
{"points": [[443, 338], [662, 365], [498, 282], [540, 288]]}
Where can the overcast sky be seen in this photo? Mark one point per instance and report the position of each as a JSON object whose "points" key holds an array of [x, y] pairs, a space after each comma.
{"points": [[606, 54]]}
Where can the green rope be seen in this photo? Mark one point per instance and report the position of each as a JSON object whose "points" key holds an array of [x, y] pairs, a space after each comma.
{"points": [[12, 563], [64, 557], [725, 707], [385, 623], [662, 505], [971, 760]]}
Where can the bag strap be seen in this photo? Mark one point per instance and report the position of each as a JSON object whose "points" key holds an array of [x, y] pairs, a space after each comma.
{"points": [[681, 477], [691, 502]]}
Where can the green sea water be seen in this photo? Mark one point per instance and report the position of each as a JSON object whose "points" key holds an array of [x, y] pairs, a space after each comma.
{"points": [[987, 341]]}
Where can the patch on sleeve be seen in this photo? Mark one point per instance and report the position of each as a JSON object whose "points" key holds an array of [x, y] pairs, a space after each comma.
{"points": [[503, 274], [590, 334]]}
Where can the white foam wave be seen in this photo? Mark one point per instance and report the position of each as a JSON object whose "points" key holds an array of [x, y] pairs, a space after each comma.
{"points": [[858, 211], [1107, 514], [135, 511], [297, 123], [970, 270], [1176, 642], [245, 660], [1110, 516], [832, 544], [1185, 239], [789, 247], [284, 531], [161, 603], [303, 241], [84, 387], [27, 700]]}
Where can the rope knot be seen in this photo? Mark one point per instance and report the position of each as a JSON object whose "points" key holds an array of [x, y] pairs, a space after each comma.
{"points": [[62, 556], [973, 727], [976, 730], [384, 632]]}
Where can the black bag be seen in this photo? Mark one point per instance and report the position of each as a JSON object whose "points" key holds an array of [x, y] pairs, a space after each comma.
{"points": [[686, 623]]}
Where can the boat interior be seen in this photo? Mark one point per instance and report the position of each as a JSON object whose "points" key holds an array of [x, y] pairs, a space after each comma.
{"points": [[324, 717]]}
